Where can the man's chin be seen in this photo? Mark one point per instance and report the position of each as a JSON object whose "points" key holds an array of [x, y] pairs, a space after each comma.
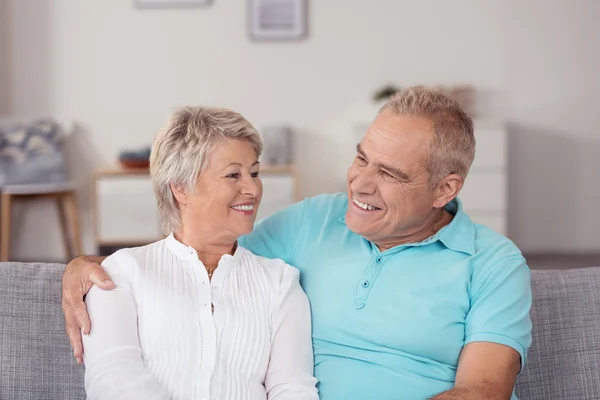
{"points": [[358, 227]]}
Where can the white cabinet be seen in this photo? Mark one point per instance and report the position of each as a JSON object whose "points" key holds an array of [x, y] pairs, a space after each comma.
{"points": [[485, 193], [125, 211], [279, 190]]}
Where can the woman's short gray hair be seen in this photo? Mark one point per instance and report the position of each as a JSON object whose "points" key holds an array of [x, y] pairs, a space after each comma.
{"points": [[453, 147], [182, 148]]}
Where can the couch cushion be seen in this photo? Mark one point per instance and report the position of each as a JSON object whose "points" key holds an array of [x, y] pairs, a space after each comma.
{"points": [[36, 360], [564, 359]]}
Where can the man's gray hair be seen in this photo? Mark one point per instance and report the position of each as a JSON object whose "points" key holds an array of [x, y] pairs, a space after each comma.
{"points": [[182, 148], [453, 146]]}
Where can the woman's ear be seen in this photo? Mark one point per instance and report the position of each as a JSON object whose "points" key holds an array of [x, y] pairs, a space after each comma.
{"points": [[180, 193]]}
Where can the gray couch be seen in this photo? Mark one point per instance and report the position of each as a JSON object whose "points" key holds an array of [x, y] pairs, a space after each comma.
{"points": [[36, 361]]}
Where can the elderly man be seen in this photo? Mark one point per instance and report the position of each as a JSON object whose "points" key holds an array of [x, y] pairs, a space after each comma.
{"points": [[410, 299]]}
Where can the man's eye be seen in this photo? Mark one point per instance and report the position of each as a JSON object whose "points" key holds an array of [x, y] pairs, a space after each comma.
{"points": [[234, 175], [361, 160], [255, 174], [388, 176]]}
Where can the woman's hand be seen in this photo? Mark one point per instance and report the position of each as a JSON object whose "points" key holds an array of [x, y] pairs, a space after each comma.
{"points": [[79, 276]]}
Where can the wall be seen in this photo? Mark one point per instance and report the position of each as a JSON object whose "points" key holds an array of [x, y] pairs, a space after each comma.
{"points": [[553, 64], [118, 71], [4, 63]]}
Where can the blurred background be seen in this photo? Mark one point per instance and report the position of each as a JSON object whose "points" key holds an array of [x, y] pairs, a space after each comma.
{"points": [[310, 76]]}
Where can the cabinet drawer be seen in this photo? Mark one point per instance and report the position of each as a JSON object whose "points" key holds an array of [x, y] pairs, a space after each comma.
{"points": [[126, 210], [279, 191]]}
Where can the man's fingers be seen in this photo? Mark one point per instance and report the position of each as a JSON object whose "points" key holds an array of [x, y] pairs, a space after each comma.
{"points": [[82, 318], [100, 278], [74, 337]]}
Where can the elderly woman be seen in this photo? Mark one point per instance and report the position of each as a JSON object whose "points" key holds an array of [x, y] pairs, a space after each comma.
{"points": [[195, 316]]}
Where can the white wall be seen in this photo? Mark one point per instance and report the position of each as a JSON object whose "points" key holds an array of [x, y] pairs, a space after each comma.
{"points": [[553, 71], [4, 52], [118, 71]]}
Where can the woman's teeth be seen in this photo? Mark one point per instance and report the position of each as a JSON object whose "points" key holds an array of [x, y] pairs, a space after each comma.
{"points": [[244, 208], [364, 206]]}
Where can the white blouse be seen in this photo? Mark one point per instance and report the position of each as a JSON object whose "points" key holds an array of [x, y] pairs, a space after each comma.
{"points": [[155, 337]]}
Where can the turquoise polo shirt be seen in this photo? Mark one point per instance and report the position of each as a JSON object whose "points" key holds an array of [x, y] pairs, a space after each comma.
{"points": [[392, 324]]}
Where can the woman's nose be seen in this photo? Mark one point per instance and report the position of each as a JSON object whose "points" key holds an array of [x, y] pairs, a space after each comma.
{"points": [[250, 186]]}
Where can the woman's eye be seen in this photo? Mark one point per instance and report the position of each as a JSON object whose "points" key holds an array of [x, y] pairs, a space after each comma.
{"points": [[234, 175], [255, 174]]}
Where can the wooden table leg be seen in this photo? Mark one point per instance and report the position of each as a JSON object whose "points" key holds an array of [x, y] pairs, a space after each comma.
{"points": [[62, 216], [5, 229], [71, 205]]}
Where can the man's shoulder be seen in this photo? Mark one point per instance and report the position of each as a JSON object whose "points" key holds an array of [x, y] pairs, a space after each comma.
{"points": [[491, 243], [275, 270], [331, 205], [273, 266], [495, 252]]}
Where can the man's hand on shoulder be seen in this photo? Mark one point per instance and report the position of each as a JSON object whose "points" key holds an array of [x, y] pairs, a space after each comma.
{"points": [[80, 275]]}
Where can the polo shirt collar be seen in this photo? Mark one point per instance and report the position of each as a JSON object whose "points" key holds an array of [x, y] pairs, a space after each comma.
{"points": [[458, 235]]}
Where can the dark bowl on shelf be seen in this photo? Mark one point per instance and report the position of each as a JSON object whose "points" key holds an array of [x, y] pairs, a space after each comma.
{"points": [[134, 163]]}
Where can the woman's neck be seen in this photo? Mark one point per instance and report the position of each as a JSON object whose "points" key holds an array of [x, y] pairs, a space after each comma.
{"points": [[209, 251]]}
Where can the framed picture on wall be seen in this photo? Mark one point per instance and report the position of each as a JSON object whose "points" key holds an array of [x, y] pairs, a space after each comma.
{"points": [[171, 3], [278, 19]]}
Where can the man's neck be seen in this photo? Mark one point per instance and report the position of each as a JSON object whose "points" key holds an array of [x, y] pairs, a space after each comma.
{"points": [[430, 227]]}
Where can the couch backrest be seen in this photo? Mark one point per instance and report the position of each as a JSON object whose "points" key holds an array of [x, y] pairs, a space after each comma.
{"points": [[564, 359], [36, 360]]}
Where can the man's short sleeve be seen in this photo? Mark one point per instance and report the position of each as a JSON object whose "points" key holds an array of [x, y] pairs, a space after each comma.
{"points": [[275, 236], [500, 305]]}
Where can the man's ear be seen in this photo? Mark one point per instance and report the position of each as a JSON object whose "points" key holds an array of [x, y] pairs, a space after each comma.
{"points": [[180, 193], [447, 190]]}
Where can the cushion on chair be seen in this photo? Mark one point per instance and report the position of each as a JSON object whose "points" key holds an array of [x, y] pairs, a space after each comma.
{"points": [[30, 152], [564, 359]]}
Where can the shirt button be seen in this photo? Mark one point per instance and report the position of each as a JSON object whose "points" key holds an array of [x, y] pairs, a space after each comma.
{"points": [[365, 284], [378, 260]]}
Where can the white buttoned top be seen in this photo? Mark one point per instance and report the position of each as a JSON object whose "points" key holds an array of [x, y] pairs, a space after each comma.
{"points": [[155, 336]]}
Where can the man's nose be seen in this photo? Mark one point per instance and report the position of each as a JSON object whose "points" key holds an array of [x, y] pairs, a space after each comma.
{"points": [[363, 183]]}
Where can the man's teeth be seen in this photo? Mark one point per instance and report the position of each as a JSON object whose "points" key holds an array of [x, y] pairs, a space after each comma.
{"points": [[244, 208], [365, 206]]}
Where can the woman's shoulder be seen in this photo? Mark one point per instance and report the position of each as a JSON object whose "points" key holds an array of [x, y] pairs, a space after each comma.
{"points": [[131, 258]]}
